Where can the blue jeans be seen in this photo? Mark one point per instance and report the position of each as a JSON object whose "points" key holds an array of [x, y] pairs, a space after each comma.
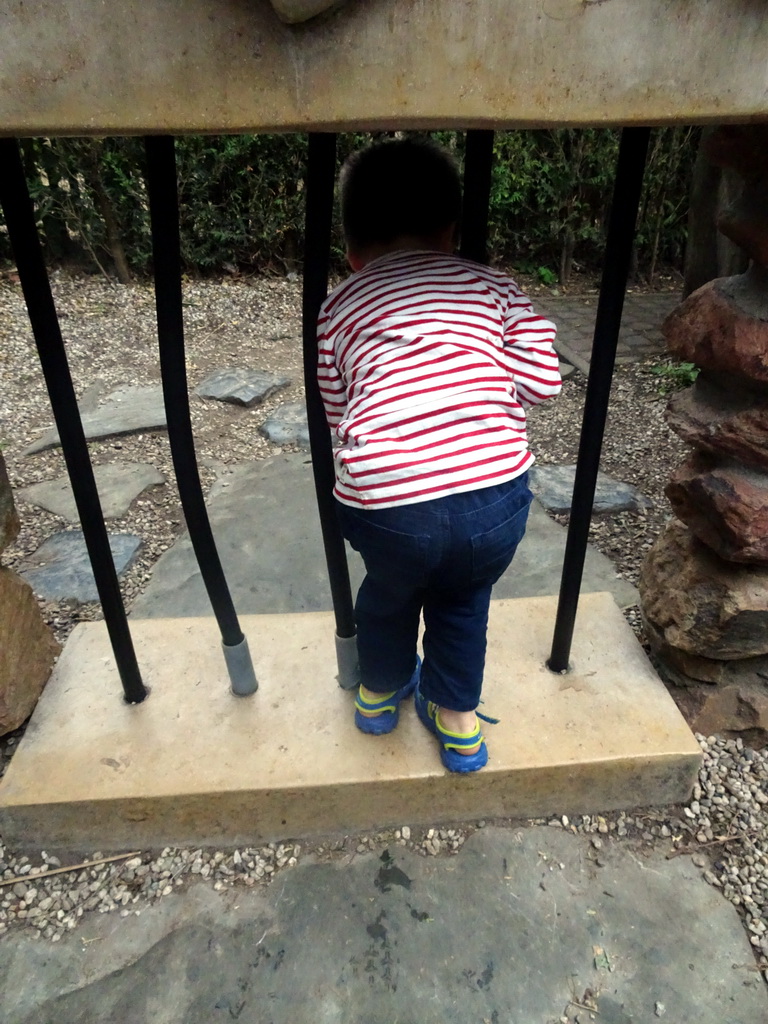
{"points": [[439, 557]]}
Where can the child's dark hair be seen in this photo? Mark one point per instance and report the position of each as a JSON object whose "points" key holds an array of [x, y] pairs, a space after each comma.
{"points": [[408, 187]]}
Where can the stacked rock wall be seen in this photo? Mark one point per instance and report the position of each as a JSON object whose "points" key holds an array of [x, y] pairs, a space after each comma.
{"points": [[704, 586], [27, 648]]}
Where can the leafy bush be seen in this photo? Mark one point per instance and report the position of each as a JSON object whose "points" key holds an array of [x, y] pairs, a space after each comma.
{"points": [[242, 198]]}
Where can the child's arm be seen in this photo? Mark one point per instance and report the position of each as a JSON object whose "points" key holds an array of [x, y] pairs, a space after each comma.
{"points": [[332, 389], [531, 357]]}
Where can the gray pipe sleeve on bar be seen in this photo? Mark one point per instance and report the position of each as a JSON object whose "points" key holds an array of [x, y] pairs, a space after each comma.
{"points": [[347, 660], [240, 667]]}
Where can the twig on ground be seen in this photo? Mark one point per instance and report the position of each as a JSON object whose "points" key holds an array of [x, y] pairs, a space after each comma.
{"points": [[720, 841], [71, 867], [582, 1006]]}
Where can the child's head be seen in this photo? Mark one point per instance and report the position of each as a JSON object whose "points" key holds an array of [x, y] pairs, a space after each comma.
{"points": [[400, 194]]}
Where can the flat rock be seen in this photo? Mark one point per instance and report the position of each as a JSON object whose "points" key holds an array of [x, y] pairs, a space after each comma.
{"points": [[553, 486], [27, 651], [383, 937], [288, 425], [264, 518], [724, 327], [736, 711], [691, 668], [701, 604], [9, 519], [128, 410], [241, 386], [727, 420], [118, 483], [60, 568], [725, 504]]}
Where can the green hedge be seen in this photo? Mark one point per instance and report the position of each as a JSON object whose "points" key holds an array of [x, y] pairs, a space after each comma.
{"points": [[242, 200]]}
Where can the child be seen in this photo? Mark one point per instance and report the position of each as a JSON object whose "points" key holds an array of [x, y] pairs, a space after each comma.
{"points": [[426, 364]]}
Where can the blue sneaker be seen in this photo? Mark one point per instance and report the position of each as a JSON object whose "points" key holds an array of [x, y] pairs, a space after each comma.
{"points": [[383, 714], [451, 743]]}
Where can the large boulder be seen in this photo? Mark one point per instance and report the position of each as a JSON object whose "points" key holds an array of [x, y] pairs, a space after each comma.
{"points": [[701, 604], [9, 520], [725, 504], [724, 420], [27, 651], [724, 326]]}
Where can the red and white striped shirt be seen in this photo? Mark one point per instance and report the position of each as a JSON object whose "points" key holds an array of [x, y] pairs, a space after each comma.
{"points": [[426, 364]]}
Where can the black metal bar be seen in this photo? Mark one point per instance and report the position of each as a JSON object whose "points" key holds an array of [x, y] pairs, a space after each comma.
{"points": [[166, 251], [20, 221], [478, 165], [321, 173], [621, 229]]}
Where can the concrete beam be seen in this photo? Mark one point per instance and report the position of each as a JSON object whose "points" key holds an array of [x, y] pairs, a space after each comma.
{"points": [[84, 66]]}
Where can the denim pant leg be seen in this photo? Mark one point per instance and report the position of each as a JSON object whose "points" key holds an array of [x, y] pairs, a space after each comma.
{"points": [[455, 626], [388, 605], [486, 527], [387, 618]]}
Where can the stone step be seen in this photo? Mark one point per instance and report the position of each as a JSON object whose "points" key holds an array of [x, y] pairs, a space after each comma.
{"points": [[195, 765]]}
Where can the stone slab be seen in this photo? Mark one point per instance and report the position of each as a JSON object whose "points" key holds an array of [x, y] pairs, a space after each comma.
{"points": [[60, 569], [118, 484], [553, 486], [387, 937], [128, 410], [377, 66], [287, 425], [264, 518], [195, 765], [241, 386]]}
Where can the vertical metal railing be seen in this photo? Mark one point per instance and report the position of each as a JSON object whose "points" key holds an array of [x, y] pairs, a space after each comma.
{"points": [[321, 174], [621, 229], [166, 252], [478, 165], [22, 231]]}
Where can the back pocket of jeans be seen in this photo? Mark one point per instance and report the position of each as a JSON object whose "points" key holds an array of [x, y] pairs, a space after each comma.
{"points": [[387, 553], [493, 550]]}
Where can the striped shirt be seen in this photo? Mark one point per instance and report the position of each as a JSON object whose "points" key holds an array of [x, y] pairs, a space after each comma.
{"points": [[426, 365]]}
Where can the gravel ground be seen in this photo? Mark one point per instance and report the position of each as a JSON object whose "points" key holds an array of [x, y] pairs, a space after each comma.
{"points": [[111, 342]]}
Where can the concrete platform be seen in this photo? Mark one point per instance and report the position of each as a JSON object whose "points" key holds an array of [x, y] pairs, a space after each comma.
{"points": [[194, 764]]}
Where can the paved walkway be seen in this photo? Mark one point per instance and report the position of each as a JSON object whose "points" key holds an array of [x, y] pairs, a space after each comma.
{"points": [[524, 926], [264, 518], [640, 335]]}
